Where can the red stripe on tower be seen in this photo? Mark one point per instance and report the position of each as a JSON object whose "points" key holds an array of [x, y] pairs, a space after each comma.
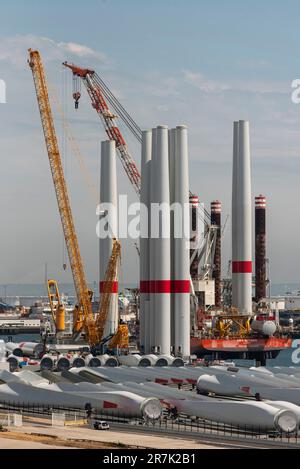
{"points": [[242, 267], [155, 286], [165, 286], [180, 286]]}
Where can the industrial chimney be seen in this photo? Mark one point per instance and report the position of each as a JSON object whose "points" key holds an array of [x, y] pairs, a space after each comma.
{"points": [[260, 247], [194, 235], [215, 218]]}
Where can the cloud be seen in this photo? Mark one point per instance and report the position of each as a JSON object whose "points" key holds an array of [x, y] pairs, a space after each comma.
{"points": [[198, 80], [80, 50], [14, 50]]}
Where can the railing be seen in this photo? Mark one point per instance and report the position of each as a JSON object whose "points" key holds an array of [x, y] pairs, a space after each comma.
{"points": [[166, 424]]}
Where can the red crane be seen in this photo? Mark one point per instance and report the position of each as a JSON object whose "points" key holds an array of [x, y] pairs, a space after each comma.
{"points": [[99, 94]]}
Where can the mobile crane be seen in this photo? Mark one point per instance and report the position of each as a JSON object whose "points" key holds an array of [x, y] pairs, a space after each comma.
{"points": [[83, 318]]}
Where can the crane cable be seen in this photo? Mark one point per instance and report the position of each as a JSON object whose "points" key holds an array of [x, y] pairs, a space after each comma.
{"points": [[117, 106], [129, 121], [64, 156], [74, 146]]}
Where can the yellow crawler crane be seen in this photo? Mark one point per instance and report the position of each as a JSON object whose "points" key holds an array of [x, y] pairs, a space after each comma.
{"points": [[83, 317], [120, 339]]}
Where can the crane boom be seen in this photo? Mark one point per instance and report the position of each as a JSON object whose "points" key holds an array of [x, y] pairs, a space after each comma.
{"points": [[100, 94], [96, 89], [80, 283], [105, 299], [57, 308]]}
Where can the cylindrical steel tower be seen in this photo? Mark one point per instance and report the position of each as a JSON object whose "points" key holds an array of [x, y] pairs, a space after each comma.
{"points": [[108, 198], [145, 323], [162, 245], [180, 282], [152, 244], [216, 208], [260, 247], [234, 213], [242, 223], [172, 176]]}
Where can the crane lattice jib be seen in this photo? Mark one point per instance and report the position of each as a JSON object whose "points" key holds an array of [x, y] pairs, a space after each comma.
{"points": [[113, 132], [82, 291], [106, 295], [96, 94], [98, 91]]}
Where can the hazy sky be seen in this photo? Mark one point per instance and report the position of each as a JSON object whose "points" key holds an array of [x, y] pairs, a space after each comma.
{"points": [[200, 63]]}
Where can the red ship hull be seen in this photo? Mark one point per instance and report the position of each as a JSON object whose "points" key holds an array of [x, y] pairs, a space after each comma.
{"points": [[248, 346]]}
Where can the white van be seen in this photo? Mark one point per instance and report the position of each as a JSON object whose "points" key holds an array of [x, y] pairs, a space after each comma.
{"points": [[100, 425]]}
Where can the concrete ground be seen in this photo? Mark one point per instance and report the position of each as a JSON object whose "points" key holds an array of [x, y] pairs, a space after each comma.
{"points": [[136, 440]]}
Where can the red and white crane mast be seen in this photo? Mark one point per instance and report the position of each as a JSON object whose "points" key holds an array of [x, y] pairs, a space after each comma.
{"points": [[94, 86]]}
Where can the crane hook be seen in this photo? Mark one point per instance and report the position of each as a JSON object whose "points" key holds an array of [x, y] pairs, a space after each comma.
{"points": [[77, 97]]}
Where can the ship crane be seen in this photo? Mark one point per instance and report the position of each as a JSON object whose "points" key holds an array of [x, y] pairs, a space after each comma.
{"points": [[83, 318]]}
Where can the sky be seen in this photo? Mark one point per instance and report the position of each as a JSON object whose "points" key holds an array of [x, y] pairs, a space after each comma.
{"points": [[199, 63]]}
